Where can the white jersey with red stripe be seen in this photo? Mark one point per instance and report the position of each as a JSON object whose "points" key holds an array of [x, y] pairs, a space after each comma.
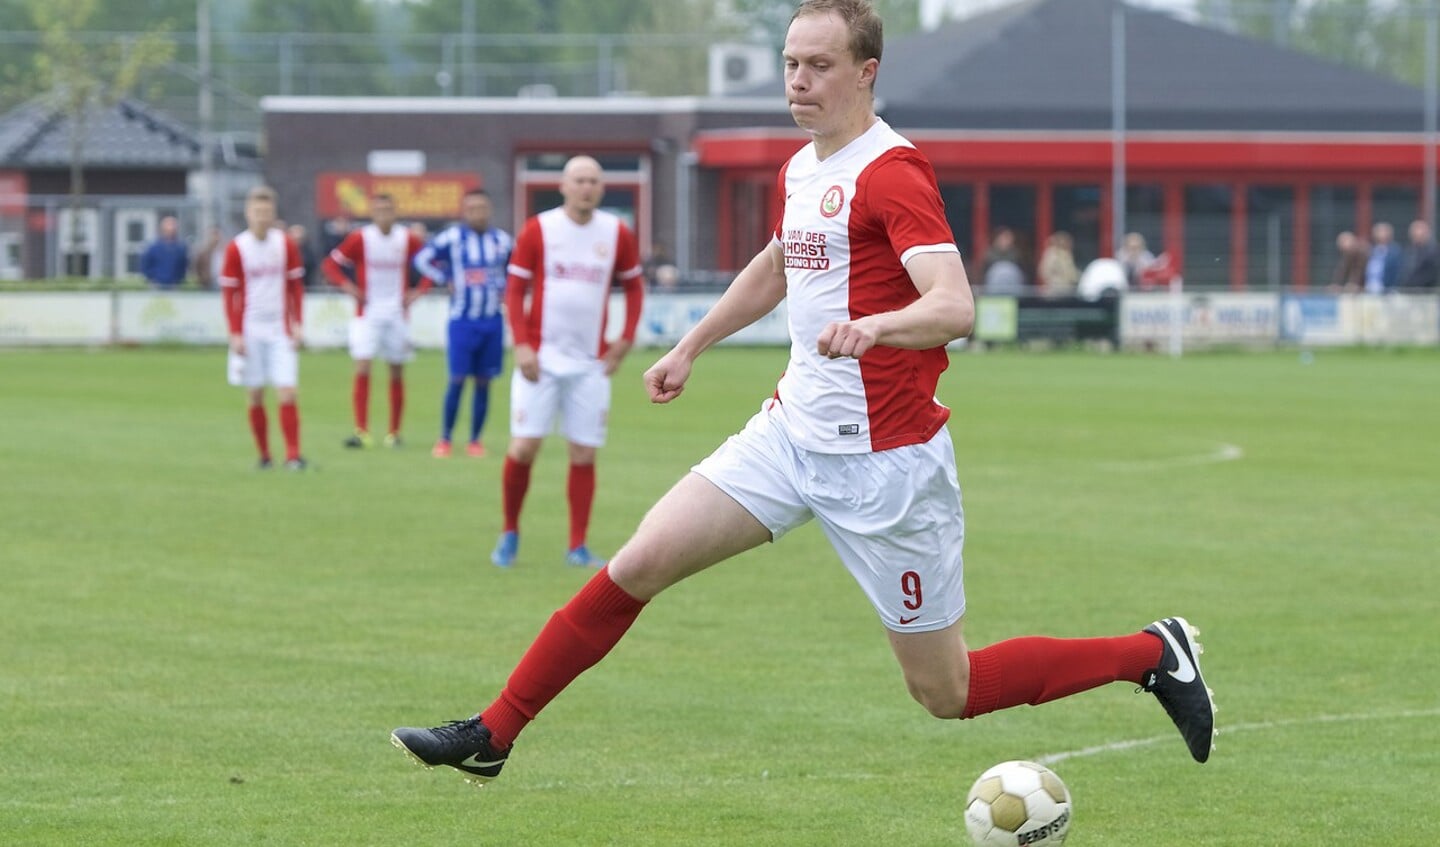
{"points": [[263, 270], [381, 261], [568, 269], [849, 224]]}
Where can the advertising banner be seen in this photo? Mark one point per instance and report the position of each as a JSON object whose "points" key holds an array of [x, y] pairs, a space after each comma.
{"points": [[180, 317], [1148, 320], [429, 196], [63, 317]]}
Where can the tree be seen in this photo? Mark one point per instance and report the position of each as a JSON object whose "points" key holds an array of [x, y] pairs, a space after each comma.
{"points": [[1382, 36], [78, 75], [770, 19]]}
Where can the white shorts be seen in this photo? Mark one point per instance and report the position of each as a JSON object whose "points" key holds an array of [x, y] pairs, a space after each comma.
{"points": [[894, 517], [385, 336], [582, 400], [269, 360]]}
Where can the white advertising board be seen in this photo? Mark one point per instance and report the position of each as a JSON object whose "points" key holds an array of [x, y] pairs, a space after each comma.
{"points": [[1147, 320], [63, 317], [179, 317]]}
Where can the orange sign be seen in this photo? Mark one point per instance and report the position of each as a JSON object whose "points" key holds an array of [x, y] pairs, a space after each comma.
{"points": [[434, 195]]}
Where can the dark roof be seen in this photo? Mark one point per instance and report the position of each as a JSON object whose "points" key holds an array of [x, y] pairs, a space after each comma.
{"points": [[1045, 64], [126, 134]]}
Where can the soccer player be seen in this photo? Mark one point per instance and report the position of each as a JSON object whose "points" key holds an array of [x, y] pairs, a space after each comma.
{"points": [[853, 437], [378, 255], [559, 291], [262, 284], [470, 258]]}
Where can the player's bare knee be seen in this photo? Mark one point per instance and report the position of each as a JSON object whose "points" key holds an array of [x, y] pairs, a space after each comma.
{"points": [[946, 704]]}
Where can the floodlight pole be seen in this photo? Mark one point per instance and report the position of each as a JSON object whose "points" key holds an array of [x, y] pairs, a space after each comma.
{"points": [[1432, 91], [207, 109], [1117, 124]]}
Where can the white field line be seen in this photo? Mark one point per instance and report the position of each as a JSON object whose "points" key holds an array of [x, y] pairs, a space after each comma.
{"points": [[1226, 729], [1223, 453]]}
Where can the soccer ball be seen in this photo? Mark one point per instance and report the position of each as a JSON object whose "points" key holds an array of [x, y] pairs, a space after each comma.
{"points": [[1018, 803]]}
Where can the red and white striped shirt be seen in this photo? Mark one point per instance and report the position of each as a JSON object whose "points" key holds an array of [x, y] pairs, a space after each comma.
{"points": [[381, 264], [848, 226], [263, 283], [566, 269]]}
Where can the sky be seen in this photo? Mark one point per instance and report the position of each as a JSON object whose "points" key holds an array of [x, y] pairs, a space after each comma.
{"points": [[930, 10]]}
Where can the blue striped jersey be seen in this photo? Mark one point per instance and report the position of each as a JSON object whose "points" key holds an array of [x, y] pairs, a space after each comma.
{"points": [[472, 264]]}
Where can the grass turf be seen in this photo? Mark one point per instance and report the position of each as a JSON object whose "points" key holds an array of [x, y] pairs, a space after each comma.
{"points": [[198, 653]]}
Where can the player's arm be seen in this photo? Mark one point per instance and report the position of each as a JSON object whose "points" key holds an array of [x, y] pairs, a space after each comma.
{"points": [[232, 295], [907, 207], [294, 291], [632, 279], [944, 312], [340, 264], [412, 251], [634, 307], [527, 359], [755, 293], [425, 260]]}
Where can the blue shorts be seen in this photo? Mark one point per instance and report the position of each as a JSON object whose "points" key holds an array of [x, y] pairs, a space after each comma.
{"points": [[476, 350]]}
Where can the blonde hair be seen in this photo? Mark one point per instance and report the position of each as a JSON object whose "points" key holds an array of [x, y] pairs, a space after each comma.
{"points": [[260, 193], [867, 31]]}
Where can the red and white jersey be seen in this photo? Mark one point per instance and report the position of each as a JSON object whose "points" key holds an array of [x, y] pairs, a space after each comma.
{"points": [[263, 281], [567, 269], [381, 264], [848, 226]]}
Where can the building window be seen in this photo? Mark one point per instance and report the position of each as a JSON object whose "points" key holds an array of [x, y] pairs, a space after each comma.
{"points": [[960, 213], [1145, 214], [1397, 205], [627, 188], [1207, 236], [1332, 211], [1270, 216], [1077, 211]]}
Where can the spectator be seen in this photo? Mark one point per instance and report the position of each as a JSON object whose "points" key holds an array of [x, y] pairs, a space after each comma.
{"points": [[1420, 261], [333, 231], [1002, 265], [301, 237], [660, 269], [1058, 273], [1104, 277], [1004, 277], [1353, 252], [1136, 257], [1382, 269], [1002, 248], [164, 262]]}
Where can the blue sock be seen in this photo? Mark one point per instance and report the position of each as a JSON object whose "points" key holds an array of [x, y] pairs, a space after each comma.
{"points": [[479, 406], [452, 407]]}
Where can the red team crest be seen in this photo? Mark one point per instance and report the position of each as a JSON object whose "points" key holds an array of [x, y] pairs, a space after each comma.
{"points": [[832, 202]]}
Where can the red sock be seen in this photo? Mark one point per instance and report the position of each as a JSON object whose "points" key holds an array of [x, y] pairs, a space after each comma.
{"points": [[1037, 670], [573, 640], [290, 425], [360, 399], [581, 488], [397, 404], [515, 481], [260, 428]]}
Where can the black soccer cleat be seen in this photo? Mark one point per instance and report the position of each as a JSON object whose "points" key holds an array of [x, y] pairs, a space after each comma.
{"points": [[463, 745], [297, 464], [1180, 688]]}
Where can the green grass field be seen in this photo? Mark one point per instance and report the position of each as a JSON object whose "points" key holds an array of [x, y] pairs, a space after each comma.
{"points": [[196, 653]]}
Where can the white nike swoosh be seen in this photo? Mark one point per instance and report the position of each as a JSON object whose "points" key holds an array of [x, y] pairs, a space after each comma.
{"points": [[1185, 669], [473, 762]]}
